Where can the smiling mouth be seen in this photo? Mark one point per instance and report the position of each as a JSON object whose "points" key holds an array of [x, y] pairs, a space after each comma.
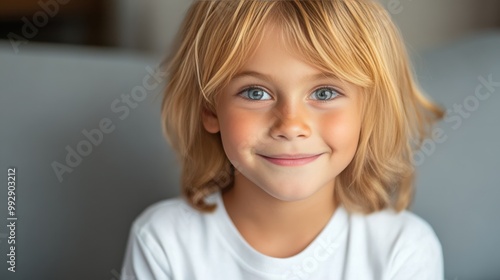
{"points": [[291, 160]]}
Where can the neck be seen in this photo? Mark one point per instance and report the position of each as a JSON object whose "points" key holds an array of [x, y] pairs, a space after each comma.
{"points": [[258, 215]]}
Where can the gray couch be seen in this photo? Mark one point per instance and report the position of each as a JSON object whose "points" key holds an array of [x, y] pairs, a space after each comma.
{"points": [[82, 128]]}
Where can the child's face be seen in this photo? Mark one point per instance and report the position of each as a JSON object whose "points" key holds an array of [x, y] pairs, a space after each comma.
{"points": [[262, 130]]}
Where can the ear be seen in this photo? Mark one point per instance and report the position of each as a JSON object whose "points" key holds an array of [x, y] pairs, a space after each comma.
{"points": [[210, 120]]}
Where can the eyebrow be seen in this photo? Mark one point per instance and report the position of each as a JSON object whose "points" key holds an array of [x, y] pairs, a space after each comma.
{"points": [[269, 78]]}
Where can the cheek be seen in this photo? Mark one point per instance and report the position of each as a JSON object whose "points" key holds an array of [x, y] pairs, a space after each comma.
{"points": [[341, 130], [238, 131], [237, 125]]}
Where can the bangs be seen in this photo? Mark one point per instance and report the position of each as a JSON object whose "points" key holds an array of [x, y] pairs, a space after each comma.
{"points": [[325, 36]]}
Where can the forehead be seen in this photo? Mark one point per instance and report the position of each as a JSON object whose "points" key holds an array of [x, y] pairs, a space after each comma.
{"points": [[273, 55]]}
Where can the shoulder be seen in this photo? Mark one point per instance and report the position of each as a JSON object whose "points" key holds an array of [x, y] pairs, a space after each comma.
{"points": [[405, 242], [153, 243], [162, 217], [394, 229], [404, 225]]}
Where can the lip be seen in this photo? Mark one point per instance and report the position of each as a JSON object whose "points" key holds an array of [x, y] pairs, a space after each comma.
{"points": [[291, 160]]}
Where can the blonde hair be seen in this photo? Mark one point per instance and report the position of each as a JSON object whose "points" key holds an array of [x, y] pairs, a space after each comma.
{"points": [[352, 39]]}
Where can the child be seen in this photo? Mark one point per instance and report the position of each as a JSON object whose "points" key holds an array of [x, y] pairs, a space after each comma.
{"points": [[295, 123]]}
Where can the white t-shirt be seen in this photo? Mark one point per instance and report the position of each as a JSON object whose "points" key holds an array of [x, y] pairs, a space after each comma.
{"points": [[171, 240]]}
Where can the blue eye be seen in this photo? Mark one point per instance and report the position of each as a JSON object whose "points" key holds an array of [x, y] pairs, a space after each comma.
{"points": [[255, 93], [325, 94]]}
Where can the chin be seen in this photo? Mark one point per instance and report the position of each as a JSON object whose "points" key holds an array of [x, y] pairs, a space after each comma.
{"points": [[290, 193]]}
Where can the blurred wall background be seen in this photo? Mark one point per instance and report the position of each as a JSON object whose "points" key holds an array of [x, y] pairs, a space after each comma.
{"points": [[150, 25]]}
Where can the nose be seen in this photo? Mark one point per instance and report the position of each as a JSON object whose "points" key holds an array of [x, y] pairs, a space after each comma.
{"points": [[290, 122]]}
